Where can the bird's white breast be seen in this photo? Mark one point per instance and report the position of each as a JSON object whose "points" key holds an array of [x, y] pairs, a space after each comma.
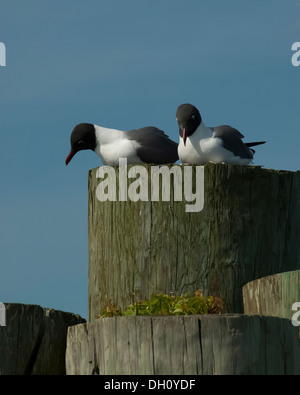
{"points": [[112, 145], [201, 147], [191, 153], [197, 147]]}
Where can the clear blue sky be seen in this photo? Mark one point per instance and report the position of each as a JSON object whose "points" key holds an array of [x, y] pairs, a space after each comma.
{"points": [[124, 64]]}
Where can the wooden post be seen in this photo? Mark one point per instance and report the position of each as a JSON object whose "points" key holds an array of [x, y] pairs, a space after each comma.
{"points": [[273, 295], [33, 340], [184, 345], [249, 228]]}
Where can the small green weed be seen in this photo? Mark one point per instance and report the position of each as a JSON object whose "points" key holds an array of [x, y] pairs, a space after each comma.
{"points": [[162, 304]]}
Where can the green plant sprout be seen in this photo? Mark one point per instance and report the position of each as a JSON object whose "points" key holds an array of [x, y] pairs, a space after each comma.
{"points": [[162, 304]]}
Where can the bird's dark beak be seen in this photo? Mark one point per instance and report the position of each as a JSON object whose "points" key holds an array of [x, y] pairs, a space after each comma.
{"points": [[70, 156], [184, 135]]}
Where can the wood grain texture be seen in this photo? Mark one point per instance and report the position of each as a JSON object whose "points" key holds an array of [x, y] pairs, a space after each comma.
{"points": [[34, 340], [184, 345], [272, 295], [248, 229]]}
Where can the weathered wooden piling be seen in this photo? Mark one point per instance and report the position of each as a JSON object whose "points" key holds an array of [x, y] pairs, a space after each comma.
{"points": [[184, 345], [273, 295], [242, 247], [249, 228], [33, 340]]}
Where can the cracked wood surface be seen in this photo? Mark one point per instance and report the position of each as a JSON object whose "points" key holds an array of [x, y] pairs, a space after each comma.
{"points": [[272, 295], [183, 345], [249, 228], [34, 340]]}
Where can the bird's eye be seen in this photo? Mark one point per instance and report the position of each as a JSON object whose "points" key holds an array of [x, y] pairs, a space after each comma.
{"points": [[193, 117], [80, 142]]}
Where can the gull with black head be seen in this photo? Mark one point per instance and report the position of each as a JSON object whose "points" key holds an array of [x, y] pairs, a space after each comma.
{"points": [[200, 144], [146, 145]]}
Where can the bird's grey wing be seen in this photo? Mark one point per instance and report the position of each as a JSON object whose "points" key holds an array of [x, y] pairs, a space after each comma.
{"points": [[156, 146], [232, 141]]}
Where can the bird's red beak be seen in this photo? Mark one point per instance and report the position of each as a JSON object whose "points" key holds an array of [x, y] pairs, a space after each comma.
{"points": [[69, 157], [184, 135]]}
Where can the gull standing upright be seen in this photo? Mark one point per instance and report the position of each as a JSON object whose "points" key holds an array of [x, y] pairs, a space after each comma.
{"points": [[145, 145], [200, 144]]}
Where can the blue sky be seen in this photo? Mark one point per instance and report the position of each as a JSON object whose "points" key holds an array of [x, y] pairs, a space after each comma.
{"points": [[124, 64]]}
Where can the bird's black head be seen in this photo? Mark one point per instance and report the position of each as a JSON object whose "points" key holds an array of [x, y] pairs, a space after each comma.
{"points": [[82, 138], [188, 118]]}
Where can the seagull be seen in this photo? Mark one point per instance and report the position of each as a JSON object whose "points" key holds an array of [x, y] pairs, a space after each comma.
{"points": [[145, 145], [200, 144]]}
